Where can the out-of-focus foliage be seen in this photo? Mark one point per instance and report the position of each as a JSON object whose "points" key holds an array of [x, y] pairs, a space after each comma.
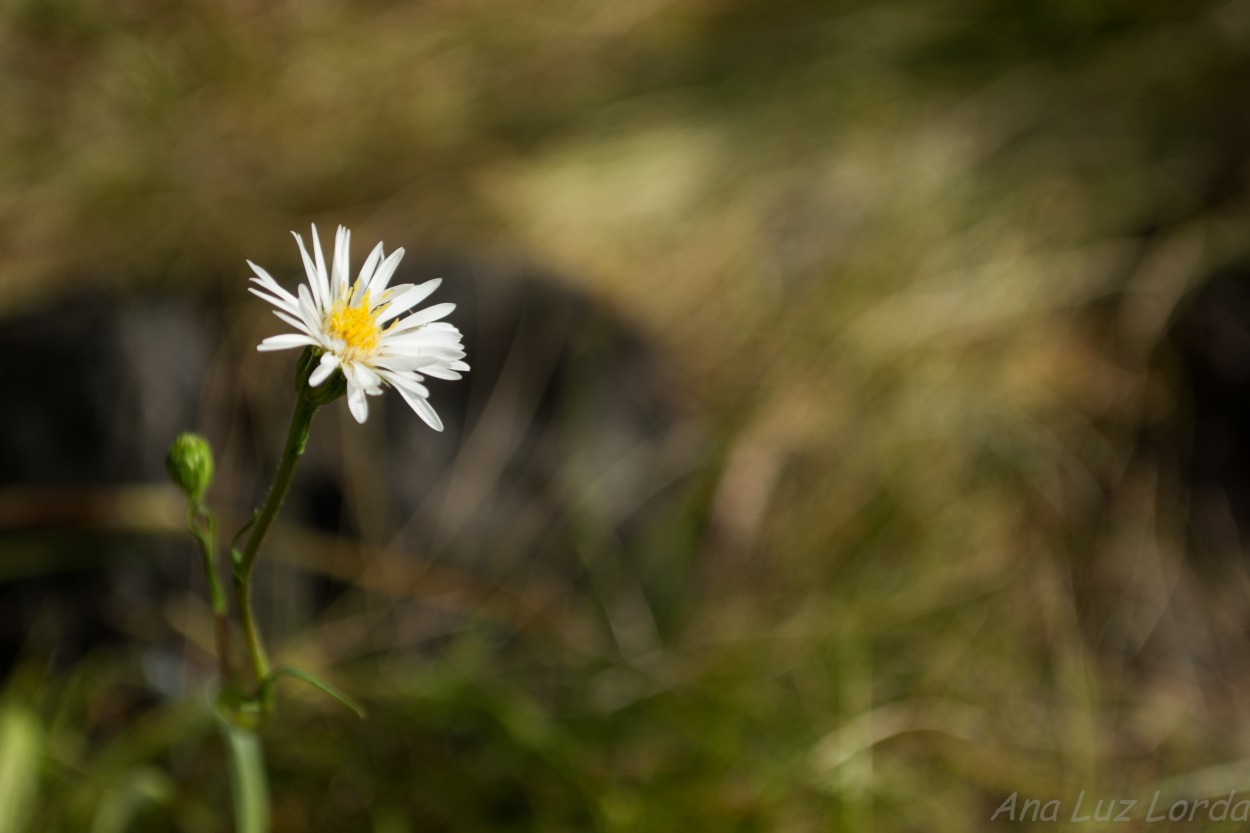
{"points": [[909, 262]]}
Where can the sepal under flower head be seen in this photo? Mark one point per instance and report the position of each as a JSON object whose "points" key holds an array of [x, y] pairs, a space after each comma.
{"points": [[356, 332], [324, 393]]}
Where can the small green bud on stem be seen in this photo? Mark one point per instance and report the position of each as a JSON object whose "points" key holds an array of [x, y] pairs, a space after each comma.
{"points": [[190, 465]]}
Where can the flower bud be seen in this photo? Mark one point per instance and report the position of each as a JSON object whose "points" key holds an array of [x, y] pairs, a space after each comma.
{"points": [[190, 465]]}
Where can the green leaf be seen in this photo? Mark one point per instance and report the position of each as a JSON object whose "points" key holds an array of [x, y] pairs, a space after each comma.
{"points": [[312, 681]]}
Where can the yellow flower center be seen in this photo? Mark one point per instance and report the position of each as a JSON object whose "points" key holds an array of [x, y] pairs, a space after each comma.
{"points": [[357, 326]]}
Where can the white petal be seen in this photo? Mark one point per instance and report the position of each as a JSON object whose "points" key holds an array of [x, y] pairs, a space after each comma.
{"points": [[284, 342], [424, 316], [423, 409], [399, 364], [416, 343], [404, 381], [371, 262], [297, 323], [322, 278], [425, 333], [419, 360], [391, 292], [276, 301], [281, 298], [409, 299], [358, 404], [415, 388], [440, 372], [329, 362], [383, 276], [446, 354], [459, 366], [359, 376], [310, 269], [266, 280], [342, 248], [367, 379], [308, 307]]}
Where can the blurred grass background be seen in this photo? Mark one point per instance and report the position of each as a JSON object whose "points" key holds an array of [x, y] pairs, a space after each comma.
{"points": [[911, 268]]}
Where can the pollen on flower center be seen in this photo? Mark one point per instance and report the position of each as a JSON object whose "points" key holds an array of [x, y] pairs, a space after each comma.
{"points": [[356, 325]]}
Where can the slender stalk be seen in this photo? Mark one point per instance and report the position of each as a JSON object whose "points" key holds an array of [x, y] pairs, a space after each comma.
{"points": [[248, 783], [204, 527], [296, 440]]}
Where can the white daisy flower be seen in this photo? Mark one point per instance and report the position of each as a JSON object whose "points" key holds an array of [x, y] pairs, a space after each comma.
{"points": [[356, 325]]}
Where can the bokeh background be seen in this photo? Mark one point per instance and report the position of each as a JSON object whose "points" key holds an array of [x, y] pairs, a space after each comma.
{"points": [[858, 433]]}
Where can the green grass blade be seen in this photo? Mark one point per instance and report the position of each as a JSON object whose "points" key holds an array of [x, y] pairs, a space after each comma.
{"points": [[315, 682], [20, 749]]}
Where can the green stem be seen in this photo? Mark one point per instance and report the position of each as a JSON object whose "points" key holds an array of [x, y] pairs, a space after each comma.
{"points": [[296, 440], [247, 781], [203, 526]]}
